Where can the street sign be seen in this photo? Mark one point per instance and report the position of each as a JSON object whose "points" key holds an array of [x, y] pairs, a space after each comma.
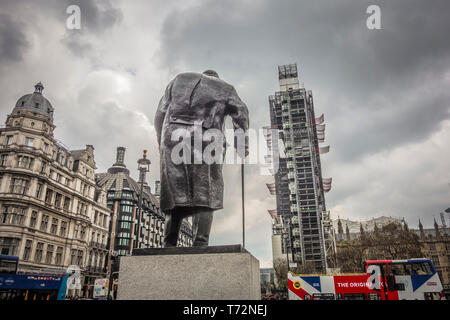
{"points": [[100, 288]]}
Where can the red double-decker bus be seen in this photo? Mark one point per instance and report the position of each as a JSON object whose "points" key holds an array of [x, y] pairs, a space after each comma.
{"points": [[412, 279]]}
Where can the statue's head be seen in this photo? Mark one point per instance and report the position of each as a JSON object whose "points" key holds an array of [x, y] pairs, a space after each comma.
{"points": [[211, 73]]}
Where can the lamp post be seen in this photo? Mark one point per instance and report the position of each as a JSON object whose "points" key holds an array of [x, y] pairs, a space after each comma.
{"points": [[285, 237], [143, 167]]}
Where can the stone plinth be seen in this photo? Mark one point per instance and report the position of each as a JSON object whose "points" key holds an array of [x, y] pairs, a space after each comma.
{"points": [[196, 273]]}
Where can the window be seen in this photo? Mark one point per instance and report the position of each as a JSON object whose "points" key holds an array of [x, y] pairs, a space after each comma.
{"points": [[54, 227], [48, 196], [44, 222], [49, 255], [355, 296], [58, 198], [39, 190], [397, 269], [435, 260], [17, 214], [79, 257], [38, 252], [3, 160], [374, 296], [72, 256], [66, 203], [29, 141], [82, 233], [33, 219], [58, 257], [19, 186], [95, 217], [27, 250], [421, 268], [9, 140], [125, 225], [43, 166], [45, 147], [8, 246], [75, 232], [63, 228]]}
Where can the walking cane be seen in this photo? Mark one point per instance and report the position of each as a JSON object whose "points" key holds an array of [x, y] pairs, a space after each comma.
{"points": [[243, 206]]}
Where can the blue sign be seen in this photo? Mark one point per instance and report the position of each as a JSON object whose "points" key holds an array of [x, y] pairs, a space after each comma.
{"points": [[26, 281]]}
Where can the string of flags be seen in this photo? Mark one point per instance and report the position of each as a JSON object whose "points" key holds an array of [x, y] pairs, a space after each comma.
{"points": [[273, 213], [271, 187], [326, 184]]}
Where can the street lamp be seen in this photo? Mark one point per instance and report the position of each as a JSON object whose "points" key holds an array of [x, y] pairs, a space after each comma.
{"points": [[143, 167], [285, 237]]}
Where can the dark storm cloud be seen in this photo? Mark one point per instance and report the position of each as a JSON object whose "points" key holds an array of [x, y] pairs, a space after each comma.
{"points": [[365, 73], [13, 40]]}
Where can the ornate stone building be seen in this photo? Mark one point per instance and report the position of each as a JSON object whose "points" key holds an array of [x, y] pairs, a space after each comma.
{"points": [[52, 214]]}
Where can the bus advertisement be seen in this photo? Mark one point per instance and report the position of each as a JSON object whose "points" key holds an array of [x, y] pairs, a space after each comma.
{"points": [[413, 279], [14, 286]]}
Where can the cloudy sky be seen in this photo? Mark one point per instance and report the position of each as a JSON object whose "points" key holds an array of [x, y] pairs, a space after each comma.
{"points": [[385, 93]]}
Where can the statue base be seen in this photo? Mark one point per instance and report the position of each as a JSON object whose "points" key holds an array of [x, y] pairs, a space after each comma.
{"points": [[193, 273]]}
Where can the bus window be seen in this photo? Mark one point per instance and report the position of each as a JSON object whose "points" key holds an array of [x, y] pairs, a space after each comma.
{"points": [[408, 269], [338, 296], [355, 296], [374, 296], [323, 296], [397, 269], [8, 265], [307, 297], [383, 269], [421, 268], [432, 296]]}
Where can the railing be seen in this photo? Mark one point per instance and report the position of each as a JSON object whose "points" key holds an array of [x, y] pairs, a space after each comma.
{"points": [[94, 269], [98, 245]]}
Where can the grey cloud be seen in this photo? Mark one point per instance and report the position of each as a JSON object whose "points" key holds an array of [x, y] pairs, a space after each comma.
{"points": [[338, 57], [13, 40], [97, 17]]}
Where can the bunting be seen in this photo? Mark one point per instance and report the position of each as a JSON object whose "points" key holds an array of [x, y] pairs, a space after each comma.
{"points": [[325, 149], [273, 213], [271, 187], [326, 184], [320, 127], [320, 119]]}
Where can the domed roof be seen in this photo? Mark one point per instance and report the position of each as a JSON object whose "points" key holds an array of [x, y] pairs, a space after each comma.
{"points": [[35, 102]]}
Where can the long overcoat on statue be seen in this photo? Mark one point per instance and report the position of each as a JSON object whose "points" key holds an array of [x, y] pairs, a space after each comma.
{"points": [[194, 101]]}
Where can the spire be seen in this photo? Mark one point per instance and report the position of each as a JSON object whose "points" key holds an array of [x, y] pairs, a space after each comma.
{"points": [[375, 229], [405, 225], [436, 228], [422, 233], [39, 87], [340, 230], [347, 232]]}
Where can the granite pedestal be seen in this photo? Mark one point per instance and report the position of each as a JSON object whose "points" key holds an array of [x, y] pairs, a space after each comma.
{"points": [[194, 273]]}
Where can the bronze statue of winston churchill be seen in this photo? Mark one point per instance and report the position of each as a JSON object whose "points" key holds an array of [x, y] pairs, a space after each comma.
{"points": [[193, 103]]}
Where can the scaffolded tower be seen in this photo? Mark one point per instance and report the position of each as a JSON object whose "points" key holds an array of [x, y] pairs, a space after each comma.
{"points": [[299, 186]]}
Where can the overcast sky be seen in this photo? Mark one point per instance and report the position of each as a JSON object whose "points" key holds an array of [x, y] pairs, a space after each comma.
{"points": [[385, 93]]}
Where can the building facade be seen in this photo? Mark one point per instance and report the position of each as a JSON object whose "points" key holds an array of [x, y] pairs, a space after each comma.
{"points": [[52, 214], [298, 180]]}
